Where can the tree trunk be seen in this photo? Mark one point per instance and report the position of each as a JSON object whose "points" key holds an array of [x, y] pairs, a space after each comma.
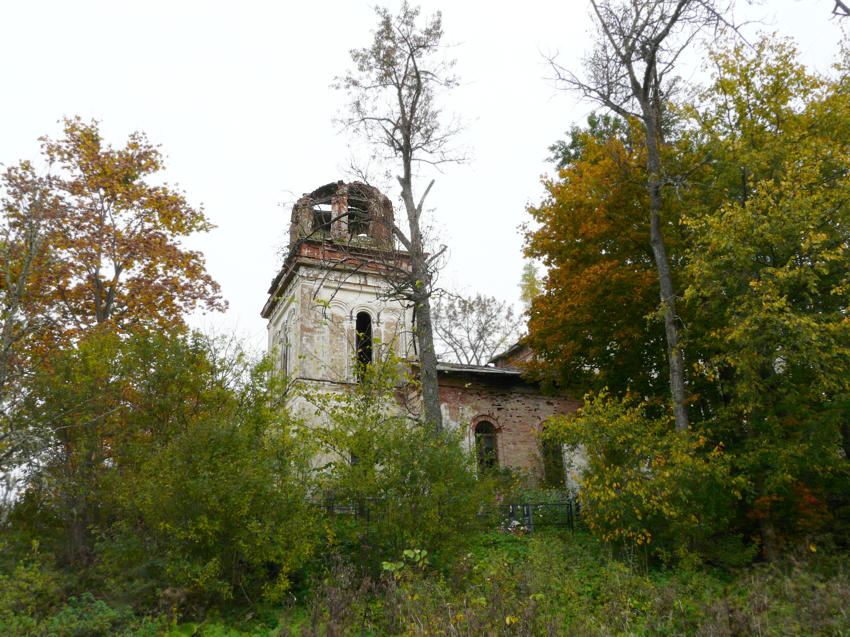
{"points": [[420, 295], [428, 365], [662, 265]]}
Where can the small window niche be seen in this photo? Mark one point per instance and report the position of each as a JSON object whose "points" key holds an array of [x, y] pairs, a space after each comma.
{"points": [[284, 345], [363, 347], [485, 446], [284, 358]]}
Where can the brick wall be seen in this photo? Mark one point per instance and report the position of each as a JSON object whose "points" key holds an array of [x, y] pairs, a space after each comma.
{"points": [[513, 406]]}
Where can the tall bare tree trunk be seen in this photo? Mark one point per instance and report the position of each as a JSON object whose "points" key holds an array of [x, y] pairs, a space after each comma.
{"points": [[428, 365], [392, 102], [662, 264], [421, 297], [633, 56]]}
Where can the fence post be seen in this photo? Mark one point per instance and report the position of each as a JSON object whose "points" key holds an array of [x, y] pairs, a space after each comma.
{"points": [[528, 517]]}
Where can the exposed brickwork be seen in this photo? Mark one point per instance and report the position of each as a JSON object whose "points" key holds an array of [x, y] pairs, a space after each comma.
{"points": [[338, 265], [340, 198], [516, 409]]}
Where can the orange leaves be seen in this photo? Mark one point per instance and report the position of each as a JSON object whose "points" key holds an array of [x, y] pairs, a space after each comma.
{"points": [[590, 326], [114, 238]]}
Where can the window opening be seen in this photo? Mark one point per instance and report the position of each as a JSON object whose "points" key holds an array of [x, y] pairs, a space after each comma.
{"points": [[554, 474], [284, 358], [322, 216], [363, 342], [284, 350], [358, 215], [485, 445]]}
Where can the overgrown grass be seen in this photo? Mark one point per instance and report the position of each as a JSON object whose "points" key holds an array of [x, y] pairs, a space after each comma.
{"points": [[554, 584], [551, 583]]}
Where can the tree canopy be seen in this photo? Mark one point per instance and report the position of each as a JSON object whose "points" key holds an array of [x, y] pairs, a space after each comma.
{"points": [[759, 244], [114, 237]]}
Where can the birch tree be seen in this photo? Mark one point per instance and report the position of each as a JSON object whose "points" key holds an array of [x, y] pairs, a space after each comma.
{"points": [[28, 213]]}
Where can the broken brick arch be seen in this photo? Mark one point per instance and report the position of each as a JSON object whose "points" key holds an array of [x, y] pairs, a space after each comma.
{"points": [[321, 201], [358, 211]]}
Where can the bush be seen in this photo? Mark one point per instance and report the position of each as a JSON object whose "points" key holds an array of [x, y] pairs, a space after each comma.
{"points": [[31, 590], [646, 486], [406, 486], [223, 502]]}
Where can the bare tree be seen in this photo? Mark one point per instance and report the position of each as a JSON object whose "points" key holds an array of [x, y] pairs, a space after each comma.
{"points": [[630, 71], [474, 329], [393, 106], [841, 9]]}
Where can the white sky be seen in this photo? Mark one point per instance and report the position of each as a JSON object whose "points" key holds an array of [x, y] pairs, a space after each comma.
{"points": [[237, 95]]}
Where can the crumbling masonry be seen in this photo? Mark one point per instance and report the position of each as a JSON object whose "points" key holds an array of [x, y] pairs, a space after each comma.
{"points": [[330, 307]]}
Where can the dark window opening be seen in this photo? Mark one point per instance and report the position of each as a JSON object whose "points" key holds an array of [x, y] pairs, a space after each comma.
{"points": [[358, 215], [485, 445], [284, 357], [322, 216], [554, 474], [363, 342]]}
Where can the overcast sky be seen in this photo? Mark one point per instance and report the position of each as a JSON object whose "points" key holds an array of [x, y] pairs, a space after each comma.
{"points": [[238, 96]]}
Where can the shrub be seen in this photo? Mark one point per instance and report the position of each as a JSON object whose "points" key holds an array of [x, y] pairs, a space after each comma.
{"points": [[224, 501], [408, 487], [646, 486], [31, 590]]}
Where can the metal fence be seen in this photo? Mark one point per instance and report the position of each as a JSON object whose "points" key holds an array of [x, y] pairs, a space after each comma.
{"points": [[522, 516], [527, 516]]}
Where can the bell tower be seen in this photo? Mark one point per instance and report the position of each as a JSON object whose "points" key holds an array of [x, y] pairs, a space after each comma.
{"points": [[330, 308]]}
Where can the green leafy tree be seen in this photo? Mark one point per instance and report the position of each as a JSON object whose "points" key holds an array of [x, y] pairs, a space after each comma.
{"points": [[760, 245], [224, 502], [769, 272], [175, 439], [73, 413]]}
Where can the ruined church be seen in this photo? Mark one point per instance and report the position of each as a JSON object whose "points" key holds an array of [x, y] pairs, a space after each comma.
{"points": [[331, 309]]}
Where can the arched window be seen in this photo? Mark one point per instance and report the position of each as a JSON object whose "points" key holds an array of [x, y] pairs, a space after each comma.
{"points": [[554, 474], [284, 349], [363, 342], [485, 445]]}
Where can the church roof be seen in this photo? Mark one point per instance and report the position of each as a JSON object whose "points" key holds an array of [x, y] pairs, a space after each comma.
{"points": [[477, 369]]}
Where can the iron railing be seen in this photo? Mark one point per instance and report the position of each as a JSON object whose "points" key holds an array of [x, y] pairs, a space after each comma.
{"points": [[519, 516]]}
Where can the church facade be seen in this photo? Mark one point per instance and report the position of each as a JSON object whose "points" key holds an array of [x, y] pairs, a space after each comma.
{"points": [[331, 310]]}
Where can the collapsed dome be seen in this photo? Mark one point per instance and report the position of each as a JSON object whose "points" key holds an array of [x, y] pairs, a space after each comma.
{"points": [[343, 213]]}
